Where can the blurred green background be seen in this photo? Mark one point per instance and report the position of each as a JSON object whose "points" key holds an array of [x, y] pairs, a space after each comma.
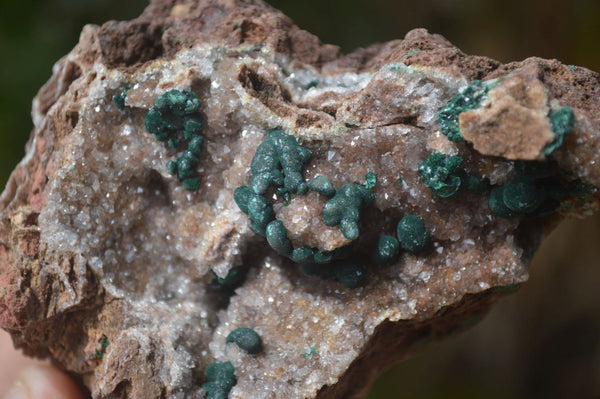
{"points": [[544, 341]]}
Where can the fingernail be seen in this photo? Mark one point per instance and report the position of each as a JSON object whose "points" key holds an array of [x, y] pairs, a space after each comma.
{"points": [[31, 382], [18, 391], [43, 382]]}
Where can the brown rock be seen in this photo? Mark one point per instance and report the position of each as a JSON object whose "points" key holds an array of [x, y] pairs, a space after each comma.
{"points": [[106, 260], [512, 122]]}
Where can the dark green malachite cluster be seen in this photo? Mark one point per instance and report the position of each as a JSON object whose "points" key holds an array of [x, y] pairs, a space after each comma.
{"points": [[468, 99], [278, 164], [305, 255], [344, 208], [247, 339], [219, 379], [276, 235], [119, 98], [538, 189], [562, 122], [279, 161], [176, 119], [322, 184], [277, 238], [257, 206], [371, 179], [412, 235], [386, 250], [444, 175], [99, 353]]}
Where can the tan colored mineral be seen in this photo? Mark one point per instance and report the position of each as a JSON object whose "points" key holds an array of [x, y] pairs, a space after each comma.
{"points": [[512, 123]]}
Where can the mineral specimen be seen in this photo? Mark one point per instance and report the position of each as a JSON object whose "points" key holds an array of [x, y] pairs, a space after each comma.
{"points": [[386, 251], [219, 379], [442, 174], [175, 117], [271, 198], [412, 234], [345, 207], [468, 99], [247, 339]]}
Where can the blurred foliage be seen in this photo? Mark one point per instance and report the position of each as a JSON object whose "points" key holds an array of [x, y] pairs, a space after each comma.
{"points": [[506, 30], [33, 35], [543, 341]]}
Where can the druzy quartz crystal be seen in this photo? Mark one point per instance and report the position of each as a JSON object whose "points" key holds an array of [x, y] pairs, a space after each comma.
{"points": [[209, 166]]}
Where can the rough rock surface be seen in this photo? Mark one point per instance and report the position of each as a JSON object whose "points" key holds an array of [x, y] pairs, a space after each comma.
{"points": [[106, 261], [513, 122]]}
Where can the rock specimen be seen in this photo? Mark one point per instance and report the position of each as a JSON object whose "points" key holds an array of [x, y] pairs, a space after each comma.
{"points": [[209, 166]]}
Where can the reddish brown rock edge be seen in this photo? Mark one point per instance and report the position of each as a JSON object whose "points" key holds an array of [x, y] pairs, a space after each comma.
{"points": [[34, 316]]}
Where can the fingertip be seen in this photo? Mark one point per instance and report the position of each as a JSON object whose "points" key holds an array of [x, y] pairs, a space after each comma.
{"points": [[44, 382]]}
